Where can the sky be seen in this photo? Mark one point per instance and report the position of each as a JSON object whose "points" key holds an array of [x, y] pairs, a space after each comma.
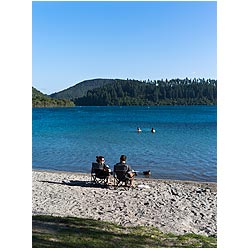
{"points": [[76, 41]]}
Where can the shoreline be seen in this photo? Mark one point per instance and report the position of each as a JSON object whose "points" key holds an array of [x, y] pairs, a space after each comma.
{"points": [[171, 205], [141, 177]]}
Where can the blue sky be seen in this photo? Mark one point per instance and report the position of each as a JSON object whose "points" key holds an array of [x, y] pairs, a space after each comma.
{"points": [[75, 41]]}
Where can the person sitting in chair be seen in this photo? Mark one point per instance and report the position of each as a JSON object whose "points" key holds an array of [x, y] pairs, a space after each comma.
{"points": [[122, 166], [103, 169]]}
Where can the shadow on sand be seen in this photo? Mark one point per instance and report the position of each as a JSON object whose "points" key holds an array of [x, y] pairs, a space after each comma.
{"points": [[78, 183]]}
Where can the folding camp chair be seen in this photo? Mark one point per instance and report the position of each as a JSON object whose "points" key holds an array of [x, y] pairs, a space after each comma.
{"points": [[97, 175], [120, 175]]}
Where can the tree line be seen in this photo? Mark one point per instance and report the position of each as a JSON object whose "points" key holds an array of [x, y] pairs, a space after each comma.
{"points": [[40, 100], [157, 92]]}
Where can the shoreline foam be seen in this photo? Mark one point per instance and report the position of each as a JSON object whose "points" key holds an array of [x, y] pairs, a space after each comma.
{"points": [[171, 205]]}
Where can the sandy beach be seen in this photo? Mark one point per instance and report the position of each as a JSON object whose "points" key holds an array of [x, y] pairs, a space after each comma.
{"points": [[172, 206]]}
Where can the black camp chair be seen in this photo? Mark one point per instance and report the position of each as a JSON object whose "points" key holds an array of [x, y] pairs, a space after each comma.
{"points": [[97, 175], [121, 177]]}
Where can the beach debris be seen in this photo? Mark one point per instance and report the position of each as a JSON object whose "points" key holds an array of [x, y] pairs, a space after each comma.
{"points": [[174, 191], [66, 182]]}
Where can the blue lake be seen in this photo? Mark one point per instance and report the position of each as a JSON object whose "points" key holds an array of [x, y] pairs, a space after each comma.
{"points": [[183, 146]]}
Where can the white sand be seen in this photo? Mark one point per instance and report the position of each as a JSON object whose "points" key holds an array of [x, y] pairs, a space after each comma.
{"points": [[172, 206]]}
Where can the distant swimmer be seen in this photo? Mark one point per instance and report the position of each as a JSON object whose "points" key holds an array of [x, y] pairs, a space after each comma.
{"points": [[153, 130], [138, 130]]}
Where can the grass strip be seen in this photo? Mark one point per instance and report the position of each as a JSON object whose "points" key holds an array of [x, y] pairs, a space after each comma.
{"points": [[56, 232]]}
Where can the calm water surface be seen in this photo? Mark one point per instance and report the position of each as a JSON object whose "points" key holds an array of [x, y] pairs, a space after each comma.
{"points": [[183, 147]]}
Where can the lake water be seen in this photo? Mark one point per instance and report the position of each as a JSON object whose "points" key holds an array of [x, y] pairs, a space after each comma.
{"points": [[183, 146]]}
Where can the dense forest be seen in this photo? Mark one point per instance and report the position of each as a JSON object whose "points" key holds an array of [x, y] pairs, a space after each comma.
{"points": [[160, 92], [41, 100]]}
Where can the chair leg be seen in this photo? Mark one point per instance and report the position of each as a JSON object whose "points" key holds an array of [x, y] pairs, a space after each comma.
{"points": [[116, 183], [105, 181]]}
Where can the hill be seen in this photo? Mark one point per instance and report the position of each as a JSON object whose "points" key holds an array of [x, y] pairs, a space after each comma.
{"points": [[104, 92], [134, 92], [80, 89], [41, 100]]}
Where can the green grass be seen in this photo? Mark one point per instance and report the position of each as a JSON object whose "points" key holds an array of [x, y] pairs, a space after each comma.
{"points": [[52, 232]]}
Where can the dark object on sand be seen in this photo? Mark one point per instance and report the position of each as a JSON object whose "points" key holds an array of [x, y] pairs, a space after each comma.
{"points": [[146, 172]]}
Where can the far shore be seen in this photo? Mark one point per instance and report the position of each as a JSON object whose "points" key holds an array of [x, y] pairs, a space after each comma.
{"points": [[171, 205]]}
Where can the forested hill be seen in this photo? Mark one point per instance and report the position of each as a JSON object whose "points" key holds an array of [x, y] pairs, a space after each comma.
{"points": [[103, 92], [41, 100], [81, 89], [160, 92]]}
